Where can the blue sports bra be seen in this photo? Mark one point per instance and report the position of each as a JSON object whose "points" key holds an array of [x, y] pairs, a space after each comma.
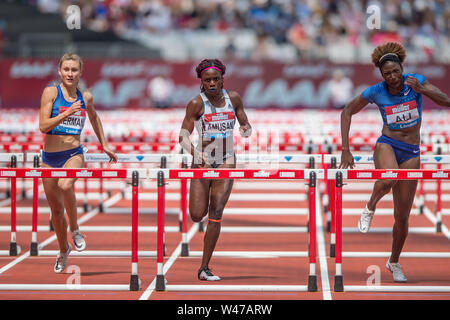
{"points": [[72, 125]]}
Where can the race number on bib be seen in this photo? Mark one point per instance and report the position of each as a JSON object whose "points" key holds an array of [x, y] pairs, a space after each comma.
{"points": [[402, 115]]}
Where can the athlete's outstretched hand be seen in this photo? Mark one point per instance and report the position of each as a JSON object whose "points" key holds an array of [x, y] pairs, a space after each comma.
{"points": [[347, 160], [111, 154], [245, 130]]}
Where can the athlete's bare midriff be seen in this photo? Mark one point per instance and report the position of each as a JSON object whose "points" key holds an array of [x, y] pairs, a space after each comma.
{"points": [[407, 135], [57, 143]]}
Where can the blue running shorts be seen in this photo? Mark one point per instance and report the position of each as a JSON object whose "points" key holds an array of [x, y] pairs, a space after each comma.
{"points": [[403, 151], [58, 159]]}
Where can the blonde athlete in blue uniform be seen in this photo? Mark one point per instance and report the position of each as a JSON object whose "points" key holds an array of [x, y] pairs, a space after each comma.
{"points": [[399, 99], [62, 116]]}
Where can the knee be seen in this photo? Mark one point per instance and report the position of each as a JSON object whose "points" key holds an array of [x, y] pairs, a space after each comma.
{"points": [[196, 215], [402, 219], [65, 185], [57, 213], [216, 212], [386, 185]]}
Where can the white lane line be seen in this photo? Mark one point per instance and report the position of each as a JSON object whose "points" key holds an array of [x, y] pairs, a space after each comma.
{"points": [[146, 294], [326, 290], [49, 240]]}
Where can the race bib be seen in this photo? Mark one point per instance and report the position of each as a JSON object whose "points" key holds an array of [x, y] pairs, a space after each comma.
{"points": [[223, 121], [402, 115], [221, 116], [74, 123]]}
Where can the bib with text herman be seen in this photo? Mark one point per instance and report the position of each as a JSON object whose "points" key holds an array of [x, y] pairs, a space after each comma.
{"points": [[74, 123]]}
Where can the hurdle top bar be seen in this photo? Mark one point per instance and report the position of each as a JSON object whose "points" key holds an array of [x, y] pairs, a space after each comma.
{"points": [[365, 158], [71, 173], [210, 173], [178, 158], [389, 174]]}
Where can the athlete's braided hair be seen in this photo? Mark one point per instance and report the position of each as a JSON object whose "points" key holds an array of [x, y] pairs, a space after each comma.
{"points": [[389, 51], [206, 63]]}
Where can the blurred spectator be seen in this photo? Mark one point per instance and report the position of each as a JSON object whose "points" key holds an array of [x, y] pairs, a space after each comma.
{"points": [[315, 27], [160, 90], [262, 49], [341, 89]]}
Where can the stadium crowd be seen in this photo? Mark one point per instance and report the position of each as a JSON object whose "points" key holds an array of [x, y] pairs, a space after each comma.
{"points": [[310, 26]]}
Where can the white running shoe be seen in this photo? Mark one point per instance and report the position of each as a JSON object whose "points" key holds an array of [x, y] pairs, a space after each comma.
{"points": [[365, 220], [61, 260], [396, 270], [206, 274], [78, 240]]}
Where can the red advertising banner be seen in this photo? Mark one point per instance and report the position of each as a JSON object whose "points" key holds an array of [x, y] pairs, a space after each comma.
{"points": [[118, 84]]}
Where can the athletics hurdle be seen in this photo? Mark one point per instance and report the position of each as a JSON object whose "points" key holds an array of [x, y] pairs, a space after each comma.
{"points": [[134, 174], [371, 174], [210, 173], [368, 159], [12, 159]]}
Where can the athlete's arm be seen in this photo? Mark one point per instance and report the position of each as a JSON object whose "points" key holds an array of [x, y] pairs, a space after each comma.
{"points": [[46, 122], [97, 125], [355, 106], [245, 128], [193, 112], [431, 91]]}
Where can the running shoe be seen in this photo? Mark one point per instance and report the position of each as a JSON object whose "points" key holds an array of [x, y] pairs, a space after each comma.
{"points": [[365, 220], [78, 240], [61, 260], [396, 270], [206, 274]]}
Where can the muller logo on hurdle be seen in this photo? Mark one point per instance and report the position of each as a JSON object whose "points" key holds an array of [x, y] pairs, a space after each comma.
{"points": [[389, 174], [33, 173], [211, 174], [261, 174], [440, 174], [84, 173]]}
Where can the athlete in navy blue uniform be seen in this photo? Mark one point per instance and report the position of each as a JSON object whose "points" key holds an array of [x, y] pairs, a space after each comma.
{"points": [[62, 116], [399, 99]]}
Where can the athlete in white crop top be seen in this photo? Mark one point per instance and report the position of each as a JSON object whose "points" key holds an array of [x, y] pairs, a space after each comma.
{"points": [[61, 118], [213, 112]]}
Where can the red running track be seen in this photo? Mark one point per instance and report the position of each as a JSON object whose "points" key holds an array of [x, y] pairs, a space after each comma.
{"points": [[242, 271]]}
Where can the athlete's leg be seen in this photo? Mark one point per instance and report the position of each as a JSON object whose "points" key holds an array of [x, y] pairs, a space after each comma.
{"points": [[220, 193], [199, 198], [384, 158], [66, 186], [403, 193], [56, 203]]}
